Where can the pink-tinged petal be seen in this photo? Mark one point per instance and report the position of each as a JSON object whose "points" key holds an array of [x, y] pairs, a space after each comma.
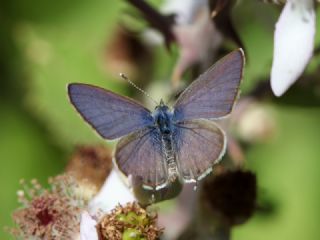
{"points": [[197, 42], [184, 10], [293, 44], [88, 229]]}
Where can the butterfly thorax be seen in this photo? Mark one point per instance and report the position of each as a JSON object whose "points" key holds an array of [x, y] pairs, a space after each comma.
{"points": [[163, 121]]}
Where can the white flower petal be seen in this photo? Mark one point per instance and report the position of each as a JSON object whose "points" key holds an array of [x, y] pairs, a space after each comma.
{"points": [[113, 192], [293, 44], [88, 229]]}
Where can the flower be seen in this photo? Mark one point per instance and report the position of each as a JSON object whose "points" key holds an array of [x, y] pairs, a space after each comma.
{"points": [[126, 222], [293, 43], [197, 26], [48, 214], [189, 24]]}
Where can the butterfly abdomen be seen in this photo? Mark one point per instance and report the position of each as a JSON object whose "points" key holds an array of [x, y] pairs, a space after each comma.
{"points": [[163, 120], [169, 157]]}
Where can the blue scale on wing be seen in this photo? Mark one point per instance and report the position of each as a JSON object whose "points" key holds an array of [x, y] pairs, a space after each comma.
{"points": [[110, 114], [213, 94], [199, 144], [140, 154]]}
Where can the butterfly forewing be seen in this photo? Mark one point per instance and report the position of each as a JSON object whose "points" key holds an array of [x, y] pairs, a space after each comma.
{"points": [[199, 144], [213, 94], [141, 155], [110, 114]]}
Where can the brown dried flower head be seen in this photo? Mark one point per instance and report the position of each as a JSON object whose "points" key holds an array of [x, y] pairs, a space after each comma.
{"points": [[48, 214], [129, 222], [90, 165], [232, 195], [125, 52]]}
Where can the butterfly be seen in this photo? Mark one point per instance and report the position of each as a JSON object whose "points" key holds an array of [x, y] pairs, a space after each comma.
{"points": [[167, 144]]}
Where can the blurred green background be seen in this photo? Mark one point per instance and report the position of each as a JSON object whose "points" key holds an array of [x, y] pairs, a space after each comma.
{"points": [[47, 44]]}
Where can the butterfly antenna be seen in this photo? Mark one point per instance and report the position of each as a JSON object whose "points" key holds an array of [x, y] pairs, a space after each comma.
{"points": [[135, 86]]}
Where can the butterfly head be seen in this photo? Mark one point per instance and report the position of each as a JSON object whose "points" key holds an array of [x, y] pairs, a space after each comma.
{"points": [[162, 107]]}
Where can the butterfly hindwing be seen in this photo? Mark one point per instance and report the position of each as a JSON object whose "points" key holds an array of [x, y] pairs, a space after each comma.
{"points": [[140, 154], [213, 94], [110, 114], [199, 144]]}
